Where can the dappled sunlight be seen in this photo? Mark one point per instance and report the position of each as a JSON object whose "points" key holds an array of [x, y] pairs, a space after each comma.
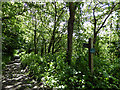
{"points": [[60, 45]]}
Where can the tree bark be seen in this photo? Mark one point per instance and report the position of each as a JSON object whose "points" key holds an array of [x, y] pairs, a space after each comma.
{"points": [[35, 37], [70, 31], [45, 47], [56, 20], [42, 48], [96, 30], [54, 29], [52, 41]]}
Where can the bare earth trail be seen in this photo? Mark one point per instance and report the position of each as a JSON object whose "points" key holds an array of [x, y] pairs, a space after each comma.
{"points": [[14, 78]]}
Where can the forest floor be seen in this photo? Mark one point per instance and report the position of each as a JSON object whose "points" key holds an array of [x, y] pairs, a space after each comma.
{"points": [[14, 78]]}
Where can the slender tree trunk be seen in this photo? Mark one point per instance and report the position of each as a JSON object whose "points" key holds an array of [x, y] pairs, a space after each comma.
{"points": [[35, 37], [54, 29], [45, 47], [49, 47], [42, 48], [70, 31], [52, 41], [96, 30]]}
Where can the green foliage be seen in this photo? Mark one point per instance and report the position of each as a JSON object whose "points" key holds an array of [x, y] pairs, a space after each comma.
{"points": [[6, 59], [18, 24], [54, 72], [11, 39]]}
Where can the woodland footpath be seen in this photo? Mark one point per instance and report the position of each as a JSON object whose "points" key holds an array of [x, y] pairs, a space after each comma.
{"points": [[66, 45]]}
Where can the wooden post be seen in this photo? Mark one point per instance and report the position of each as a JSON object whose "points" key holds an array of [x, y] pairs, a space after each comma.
{"points": [[91, 55]]}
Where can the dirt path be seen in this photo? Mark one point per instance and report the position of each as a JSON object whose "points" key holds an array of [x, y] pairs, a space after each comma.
{"points": [[14, 78]]}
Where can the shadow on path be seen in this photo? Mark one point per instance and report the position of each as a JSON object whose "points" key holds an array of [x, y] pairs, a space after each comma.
{"points": [[14, 78]]}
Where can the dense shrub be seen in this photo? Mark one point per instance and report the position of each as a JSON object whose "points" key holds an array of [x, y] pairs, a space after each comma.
{"points": [[54, 72]]}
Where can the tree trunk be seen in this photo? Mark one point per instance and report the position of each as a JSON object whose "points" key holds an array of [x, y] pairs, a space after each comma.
{"points": [[53, 34], [35, 36], [42, 48], [70, 31], [54, 29], [45, 47]]}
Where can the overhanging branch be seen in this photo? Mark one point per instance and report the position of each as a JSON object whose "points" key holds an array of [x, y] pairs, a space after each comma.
{"points": [[107, 17]]}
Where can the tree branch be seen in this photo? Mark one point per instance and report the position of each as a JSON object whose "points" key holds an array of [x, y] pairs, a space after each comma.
{"points": [[107, 17], [95, 21]]}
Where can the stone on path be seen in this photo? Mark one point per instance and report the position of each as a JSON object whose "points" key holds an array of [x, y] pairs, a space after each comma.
{"points": [[16, 79]]}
